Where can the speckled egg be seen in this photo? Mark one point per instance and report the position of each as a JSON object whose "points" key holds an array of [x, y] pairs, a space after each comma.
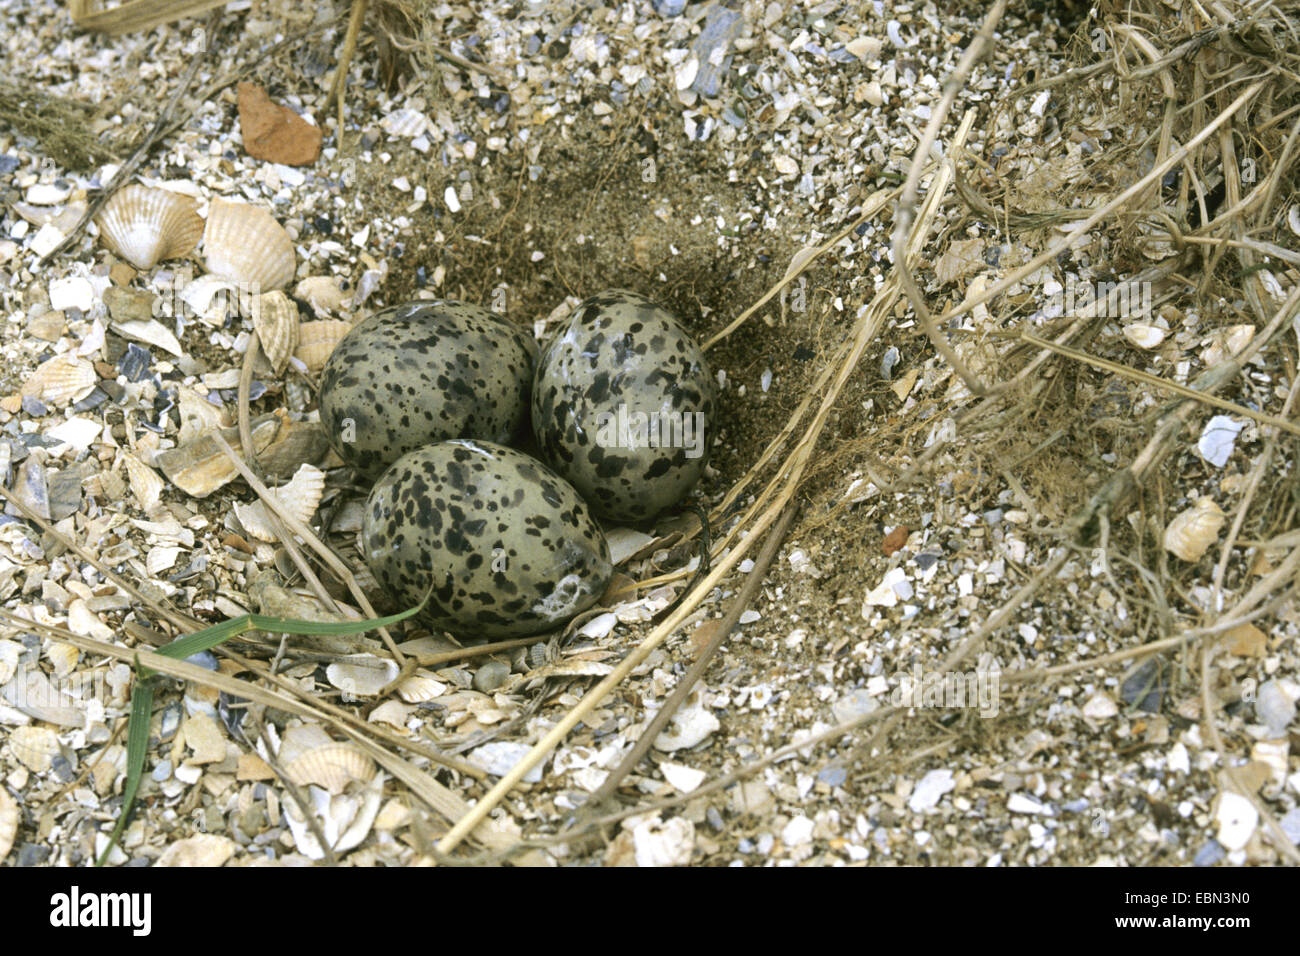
{"points": [[510, 547], [623, 406], [421, 372]]}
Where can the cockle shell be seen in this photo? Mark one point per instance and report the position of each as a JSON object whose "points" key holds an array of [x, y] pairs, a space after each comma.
{"points": [[316, 341], [420, 687], [35, 747], [245, 244], [8, 823], [145, 226], [300, 496], [309, 756], [61, 380], [275, 319], [1192, 532]]}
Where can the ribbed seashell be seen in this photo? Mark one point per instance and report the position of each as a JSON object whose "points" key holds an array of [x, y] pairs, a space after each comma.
{"points": [[275, 319], [146, 485], [316, 341], [362, 675], [331, 767], [35, 747], [324, 294], [418, 688], [300, 495], [8, 823], [61, 381], [145, 226], [245, 244], [1145, 336], [1192, 532]]}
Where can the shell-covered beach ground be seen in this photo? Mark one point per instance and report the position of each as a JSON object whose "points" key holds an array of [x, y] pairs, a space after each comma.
{"points": [[524, 156]]}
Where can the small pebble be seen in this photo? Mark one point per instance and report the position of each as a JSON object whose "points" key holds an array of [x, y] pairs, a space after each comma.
{"points": [[1209, 854], [1274, 708], [491, 676]]}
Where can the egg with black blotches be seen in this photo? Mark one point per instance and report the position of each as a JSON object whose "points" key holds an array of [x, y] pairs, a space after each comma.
{"points": [[623, 406], [422, 372], [508, 546]]}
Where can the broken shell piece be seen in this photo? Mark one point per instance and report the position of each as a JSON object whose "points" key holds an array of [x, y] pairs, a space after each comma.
{"points": [[35, 747], [145, 226], [146, 486], [689, 726], [245, 244], [1192, 532], [1145, 336], [300, 497], [61, 381], [316, 341], [211, 298], [324, 294], [198, 415], [344, 819], [205, 849], [200, 467], [419, 687], [275, 319], [1225, 343], [63, 657], [8, 823], [362, 675]]}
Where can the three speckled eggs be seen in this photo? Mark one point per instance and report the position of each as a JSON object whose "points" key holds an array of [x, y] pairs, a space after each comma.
{"points": [[427, 396]]}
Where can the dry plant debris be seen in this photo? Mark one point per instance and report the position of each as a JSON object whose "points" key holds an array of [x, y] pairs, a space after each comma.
{"points": [[1014, 338]]}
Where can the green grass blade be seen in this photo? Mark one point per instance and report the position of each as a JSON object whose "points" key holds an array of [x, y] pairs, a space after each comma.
{"points": [[210, 637], [137, 728], [137, 746]]}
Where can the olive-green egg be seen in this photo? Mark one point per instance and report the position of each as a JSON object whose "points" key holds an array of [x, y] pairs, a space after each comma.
{"points": [[509, 547], [623, 406], [421, 372]]}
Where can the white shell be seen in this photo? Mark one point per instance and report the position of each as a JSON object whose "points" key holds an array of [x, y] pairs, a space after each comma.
{"points": [[316, 341], [145, 226], [275, 318], [300, 495], [35, 747], [1192, 532], [362, 675], [211, 298], [8, 823], [345, 819], [1145, 336], [61, 381], [420, 687], [245, 244]]}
